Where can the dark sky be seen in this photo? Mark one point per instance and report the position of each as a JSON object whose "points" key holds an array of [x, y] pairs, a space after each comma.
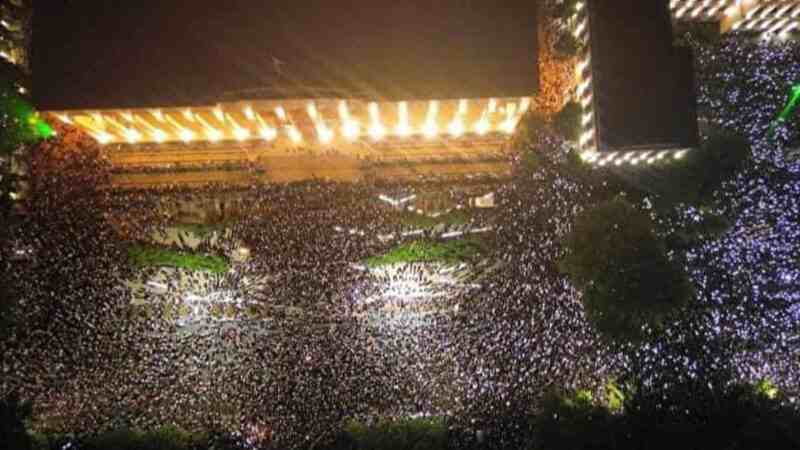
{"points": [[104, 53]]}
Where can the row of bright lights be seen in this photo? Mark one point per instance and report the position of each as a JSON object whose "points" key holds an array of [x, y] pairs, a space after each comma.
{"points": [[159, 125], [773, 19], [585, 94], [632, 158], [585, 91]]}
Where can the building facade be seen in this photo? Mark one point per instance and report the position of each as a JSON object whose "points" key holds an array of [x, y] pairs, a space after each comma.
{"points": [[15, 32]]}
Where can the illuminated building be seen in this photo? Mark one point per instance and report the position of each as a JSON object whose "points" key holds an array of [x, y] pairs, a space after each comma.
{"points": [[398, 85], [636, 87], [15, 32], [769, 19]]}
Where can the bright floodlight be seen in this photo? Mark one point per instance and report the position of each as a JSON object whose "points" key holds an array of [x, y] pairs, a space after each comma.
{"points": [[187, 136], [456, 127], [350, 130], [431, 129], [294, 134], [241, 134], [281, 113], [268, 133], [403, 126], [376, 130], [325, 134], [214, 135]]}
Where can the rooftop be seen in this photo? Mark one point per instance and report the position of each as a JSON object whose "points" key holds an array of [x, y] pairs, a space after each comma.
{"points": [[644, 94], [95, 54]]}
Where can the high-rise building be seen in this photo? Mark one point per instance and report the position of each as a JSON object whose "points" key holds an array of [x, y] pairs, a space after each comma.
{"points": [[15, 32]]}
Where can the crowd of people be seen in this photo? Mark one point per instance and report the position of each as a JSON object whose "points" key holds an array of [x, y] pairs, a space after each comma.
{"points": [[335, 340]]}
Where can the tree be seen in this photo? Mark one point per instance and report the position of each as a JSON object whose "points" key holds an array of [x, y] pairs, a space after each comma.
{"points": [[573, 421], [19, 123], [736, 416], [532, 126], [563, 9], [567, 122], [693, 180], [13, 435], [628, 282], [567, 45]]}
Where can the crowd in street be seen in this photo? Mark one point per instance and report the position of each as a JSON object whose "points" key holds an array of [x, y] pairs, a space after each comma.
{"points": [[335, 340]]}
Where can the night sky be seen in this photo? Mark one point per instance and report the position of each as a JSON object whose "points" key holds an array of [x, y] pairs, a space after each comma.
{"points": [[100, 53]]}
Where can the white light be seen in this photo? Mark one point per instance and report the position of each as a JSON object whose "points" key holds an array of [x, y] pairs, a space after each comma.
{"points": [[133, 136], [431, 129], [344, 113], [351, 130], [403, 127], [103, 138], [524, 105], [281, 113], [268, 133], [159, 135], [214, 135], [187, 113], [312, 111], [376, 130], [294, 134], [188, 136], [463, 106], [325, 134], [241, 134], [219, 114], [456, 127], [248, 112], [482, 127]]}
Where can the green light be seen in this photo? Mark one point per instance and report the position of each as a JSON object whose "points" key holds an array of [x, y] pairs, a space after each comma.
{"points": [[43, 129], [794, 99]]}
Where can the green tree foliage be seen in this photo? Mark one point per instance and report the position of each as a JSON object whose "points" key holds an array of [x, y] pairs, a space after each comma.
{"points": [[683, 416], [160, 257], [19, 123], [615, 258], [573, 421], [697, 177], [448, 252], [13, 413], [695, 181], [417, 434], [563, 9], [710, 225], [164, 438], [730, 417], [567, 122], [567, 45], [530, 127]]}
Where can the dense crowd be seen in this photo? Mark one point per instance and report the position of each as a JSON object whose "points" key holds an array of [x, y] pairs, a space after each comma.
{"points": [[335, 340]]}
